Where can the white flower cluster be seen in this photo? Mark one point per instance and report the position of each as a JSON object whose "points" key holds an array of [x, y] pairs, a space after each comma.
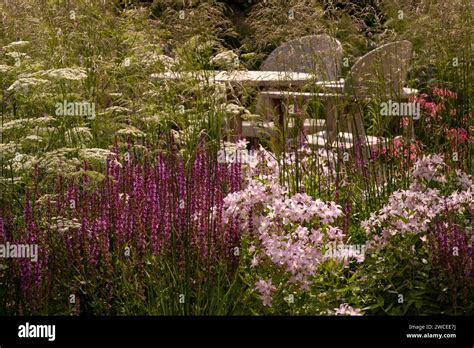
{"points": [[227, 59], [151, 57], [168, 62], [47, 199], [8, 150], [81, 134], [24, 84], [182, 136], [61, 224], [152, 119], [4, 68], [72, 74], [16, 44], [345, 309], [59, 161], [24, 122], [17, 55], [23, 162], [32, 139], [235, 110], [95, 154], [115, 110], [130, 131], [414, 210]]}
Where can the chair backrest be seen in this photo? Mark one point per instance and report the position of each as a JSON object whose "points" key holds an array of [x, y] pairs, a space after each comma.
{"points": [[381, 71], [320, 55], [317, 54]]}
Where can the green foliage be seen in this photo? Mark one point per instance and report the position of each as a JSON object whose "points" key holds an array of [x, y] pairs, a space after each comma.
{"points": [[399, 280], [120, 48]]}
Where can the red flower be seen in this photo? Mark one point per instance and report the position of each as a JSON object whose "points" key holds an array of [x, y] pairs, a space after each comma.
{"points": [[405, 122], [444, 92], [457, 136]]}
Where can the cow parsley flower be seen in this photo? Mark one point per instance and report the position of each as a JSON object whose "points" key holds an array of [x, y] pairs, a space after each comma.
{"points": [[95, 154], [130, 131], [168, 62], [24, 84], [8, 149], [73, 74], [59, 160], [116, 110], [32, 139], [16, 44], [23, 122], [82, 133], [4, 68], [234, 109], [47, 198], [226, 59], [62, 225], [17, 55], [23, 162]]}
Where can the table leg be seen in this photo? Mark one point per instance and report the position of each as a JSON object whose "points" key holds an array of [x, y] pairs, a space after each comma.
{"points": [[332, 119]]}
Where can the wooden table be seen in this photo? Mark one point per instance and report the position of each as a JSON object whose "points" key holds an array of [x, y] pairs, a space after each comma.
{"points": [[333, 92], [263, 80], [250, 78]]}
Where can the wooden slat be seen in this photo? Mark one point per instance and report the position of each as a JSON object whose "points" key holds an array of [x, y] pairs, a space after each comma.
{"points": [[253, 78], [287, 94], [407, 92], [343, 139]]}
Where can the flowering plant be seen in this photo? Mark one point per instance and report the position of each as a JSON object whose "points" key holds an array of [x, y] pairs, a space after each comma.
{"points": [[430, 197], [291, 233], [142, 209], [446, 116]]}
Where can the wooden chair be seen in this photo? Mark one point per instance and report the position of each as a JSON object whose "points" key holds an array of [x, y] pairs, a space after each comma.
{"points": [[381, 74], [319, 55]]}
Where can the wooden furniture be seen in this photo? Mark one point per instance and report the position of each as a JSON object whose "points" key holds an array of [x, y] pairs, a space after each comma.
{"points": [[319, 55], [249, 78], [259, 79], [380, 73]]}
